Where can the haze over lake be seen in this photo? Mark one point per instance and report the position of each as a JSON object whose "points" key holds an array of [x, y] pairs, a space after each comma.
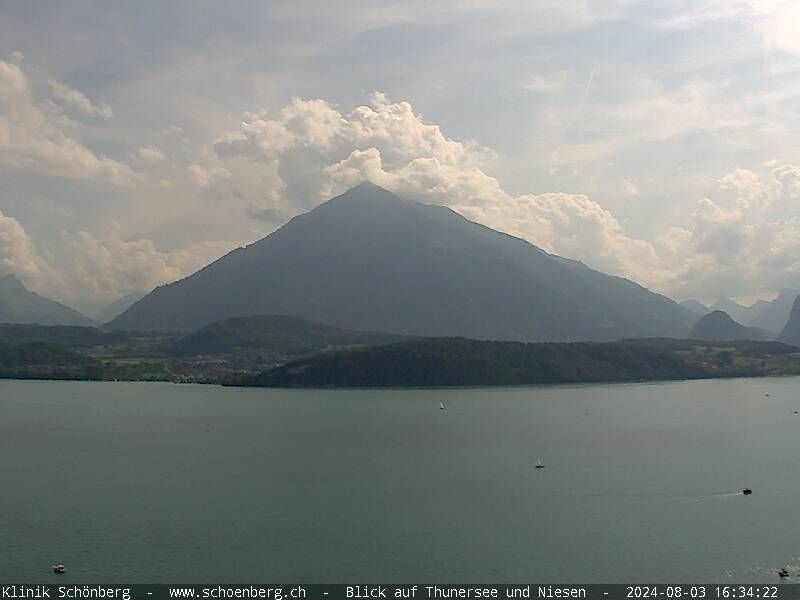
{"points": [[166, 483]]}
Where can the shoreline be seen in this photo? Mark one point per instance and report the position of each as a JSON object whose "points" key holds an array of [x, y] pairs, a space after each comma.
{"points": [[609, 382]]}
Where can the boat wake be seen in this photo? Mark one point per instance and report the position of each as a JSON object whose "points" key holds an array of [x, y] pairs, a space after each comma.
{"points": [[789, 573]]}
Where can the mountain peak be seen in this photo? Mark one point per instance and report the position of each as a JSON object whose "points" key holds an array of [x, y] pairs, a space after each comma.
{"points": [[366, 191], [367, 185]]}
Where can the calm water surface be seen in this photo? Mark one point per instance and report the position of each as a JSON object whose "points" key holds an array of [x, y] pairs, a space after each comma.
{"points": [[136, 482]]}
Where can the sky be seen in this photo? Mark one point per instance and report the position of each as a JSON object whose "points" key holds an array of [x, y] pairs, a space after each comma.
{"points": [[653, 140]]}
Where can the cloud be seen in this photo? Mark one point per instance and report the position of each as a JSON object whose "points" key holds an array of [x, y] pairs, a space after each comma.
{"points": [[788, 177], [650, 112], [743, 242], [91, 270], [51, 208], [267, 214], [150, 154], [630, 188], [718, 232], [751, 191], [546, 84], [307, 137], [33, 138], [72, 98], [19, 256], [109, 266], [204, 177]]}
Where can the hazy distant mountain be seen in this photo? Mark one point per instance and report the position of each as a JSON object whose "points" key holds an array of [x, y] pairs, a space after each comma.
{"points": [[791, 333], [764, 314], [20, 305], [119, 306], [696, 307], [372, 261], [736, 311], [719, 326], [773, 315]]}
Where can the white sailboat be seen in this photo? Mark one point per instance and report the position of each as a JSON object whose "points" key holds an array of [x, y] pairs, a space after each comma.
{"points": [[539, 464], [441, 405]]}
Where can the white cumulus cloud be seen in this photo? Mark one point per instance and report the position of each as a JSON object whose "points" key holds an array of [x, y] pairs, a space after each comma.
{"points": [[75, 99], [35, 139]]}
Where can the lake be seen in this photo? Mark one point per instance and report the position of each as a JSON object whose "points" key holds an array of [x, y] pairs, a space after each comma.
{"points": [[148, 483]]}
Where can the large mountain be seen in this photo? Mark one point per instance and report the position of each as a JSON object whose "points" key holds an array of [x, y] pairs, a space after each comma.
{"points": [[20, 305], [791, 333], [719, 326], [372, 261]]}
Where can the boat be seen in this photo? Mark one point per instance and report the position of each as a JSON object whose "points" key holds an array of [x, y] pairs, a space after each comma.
{"points": [[59, 568], [539, 464], [441, 405], [747, 491], [783, 573]]}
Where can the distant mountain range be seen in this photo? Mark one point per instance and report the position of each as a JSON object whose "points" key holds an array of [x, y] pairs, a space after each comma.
{"points": [[20, 305], [372, 261], [719, 326], [764, 314], [791, 333], [696, 307], [737, 312], [119, 306], [773, 315]]}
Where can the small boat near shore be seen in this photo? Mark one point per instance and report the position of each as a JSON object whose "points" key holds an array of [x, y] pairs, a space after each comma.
{"points": [[59, 568]]}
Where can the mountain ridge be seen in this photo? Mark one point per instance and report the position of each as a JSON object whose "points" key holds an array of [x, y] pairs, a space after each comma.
{"points": [[18, 304]]}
